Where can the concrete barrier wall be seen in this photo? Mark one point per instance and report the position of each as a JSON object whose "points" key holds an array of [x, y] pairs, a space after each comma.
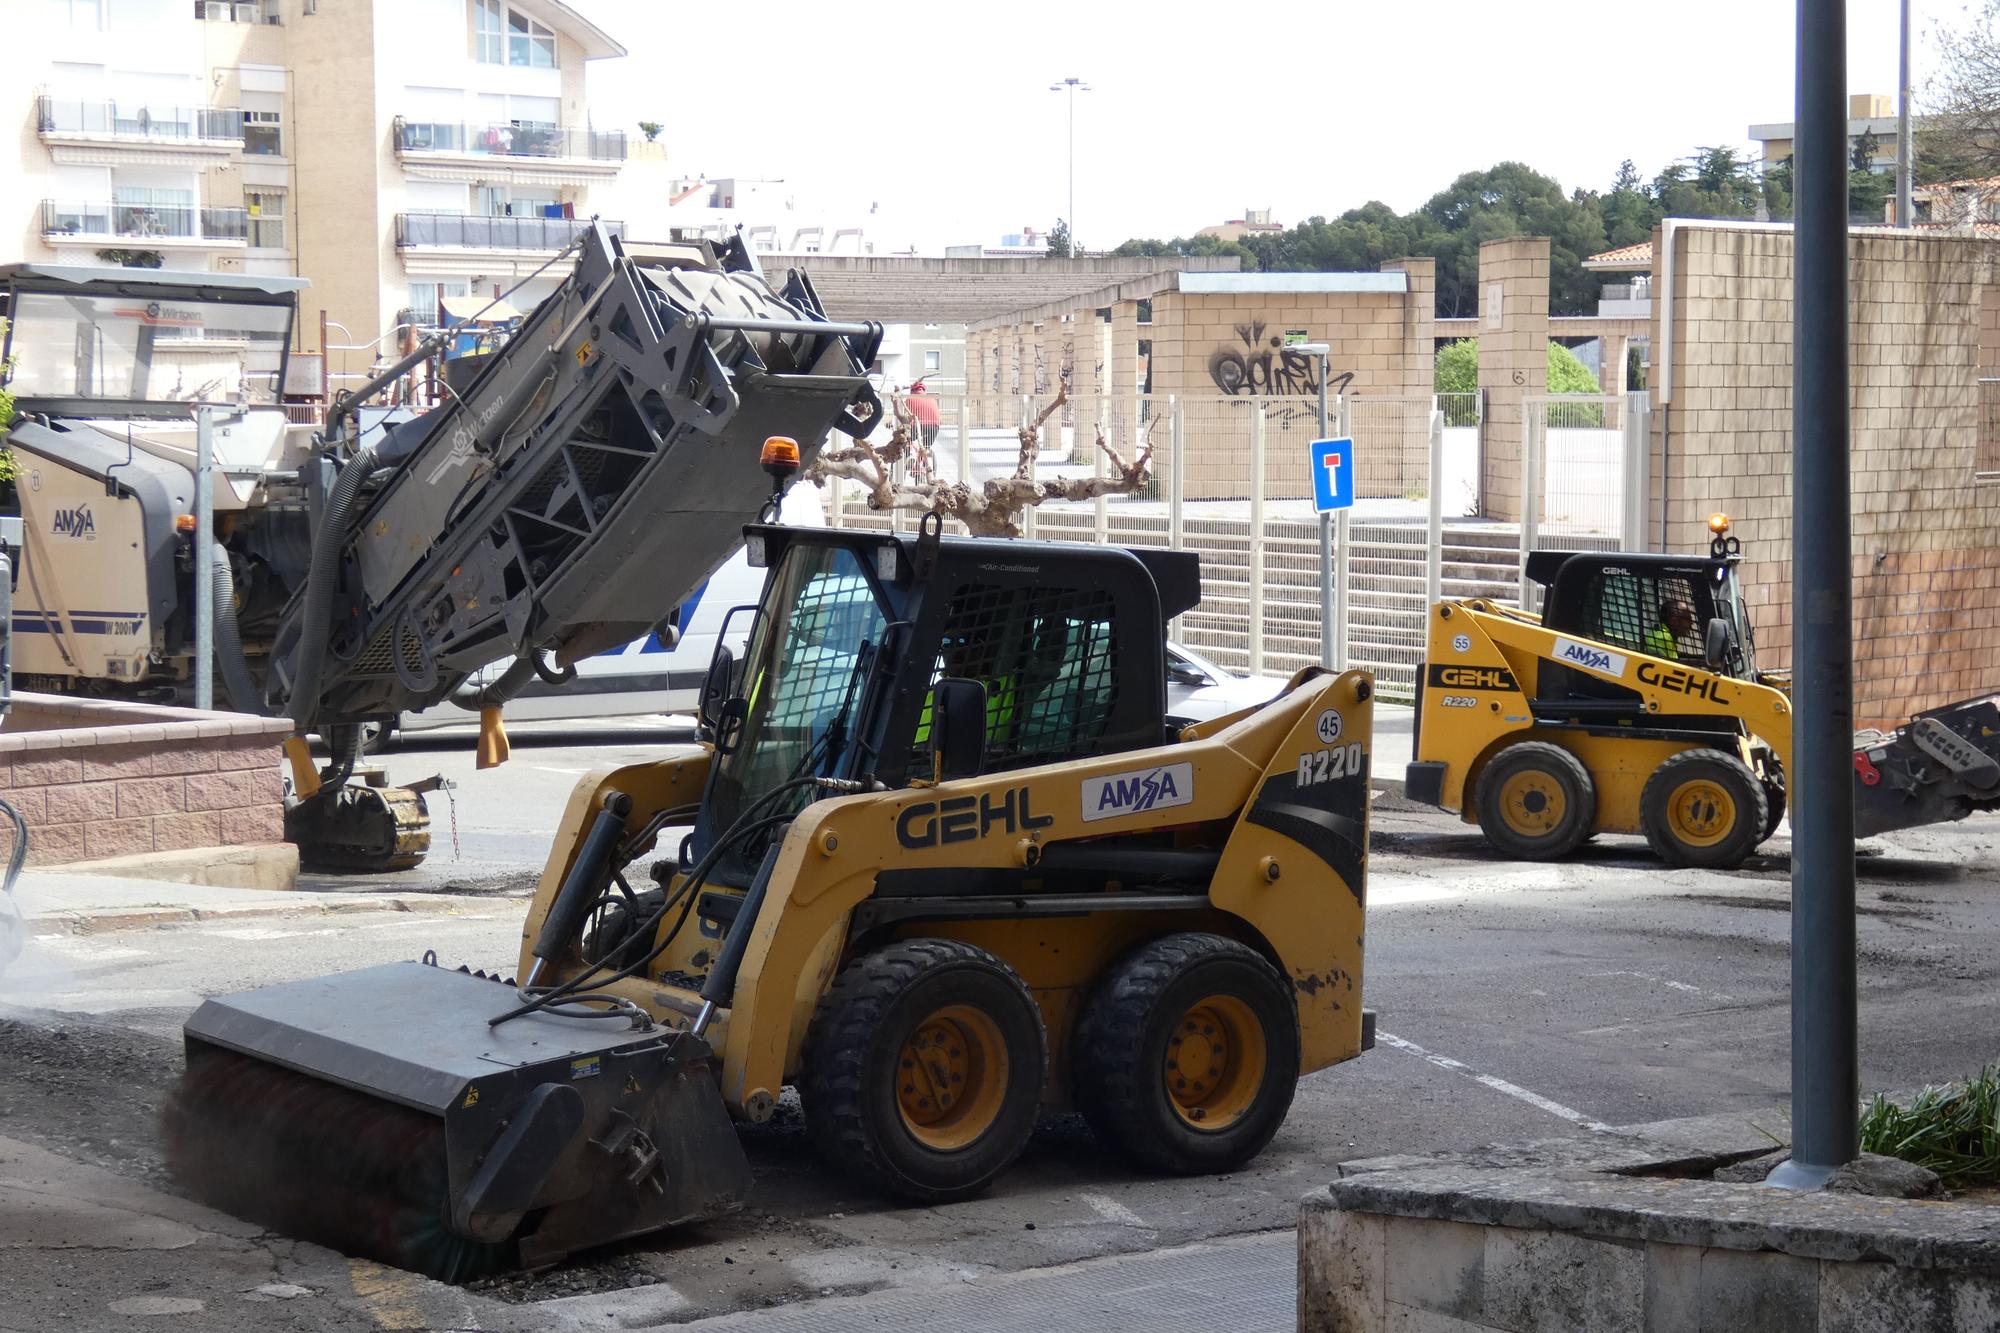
{"points": [[97, 779]]}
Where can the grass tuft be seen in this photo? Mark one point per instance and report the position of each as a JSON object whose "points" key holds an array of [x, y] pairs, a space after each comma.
{"points": [[1954, 1130]]}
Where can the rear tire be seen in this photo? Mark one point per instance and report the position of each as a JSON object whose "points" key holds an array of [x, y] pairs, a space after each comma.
{"points": [[923, 1070], [1187, 1055], [1536, 801], [1704, 808], [1774, 795]]}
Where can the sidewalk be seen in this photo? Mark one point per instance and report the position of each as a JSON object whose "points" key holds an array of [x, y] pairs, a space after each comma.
{"points": [[54, 902]]}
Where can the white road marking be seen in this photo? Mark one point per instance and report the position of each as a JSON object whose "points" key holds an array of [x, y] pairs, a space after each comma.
{"points": [[1681, 986], [1112, 1211], [1390, 888], [1513, 1090]]}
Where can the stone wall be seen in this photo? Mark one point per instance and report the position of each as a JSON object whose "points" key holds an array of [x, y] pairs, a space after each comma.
{"points": [[96, 779], [1926, 529]]}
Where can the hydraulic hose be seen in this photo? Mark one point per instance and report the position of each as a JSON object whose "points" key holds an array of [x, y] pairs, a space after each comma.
{"points": [[316, 615], [497, 694], [229, 659]]}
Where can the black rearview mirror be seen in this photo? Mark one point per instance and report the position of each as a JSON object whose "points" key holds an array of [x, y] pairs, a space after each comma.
{"points": [[715, 687], [958, 727], [1715, 647]]}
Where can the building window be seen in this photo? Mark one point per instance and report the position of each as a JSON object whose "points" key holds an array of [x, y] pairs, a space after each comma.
{"points": [[931, 359], [263, 133], [85, 14], [529, 43], [1145, 312], [1986, 453], [267, 218], [235, 11], [488, 42], [426, 299]]}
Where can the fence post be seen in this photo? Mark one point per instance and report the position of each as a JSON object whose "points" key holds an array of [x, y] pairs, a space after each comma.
{"points": [[1257, 540], [204, 555], [1343, 548], [1479, 451], [1638, 472], [1176, 473], [1434, 521], [1533, 432], [964, 477]]}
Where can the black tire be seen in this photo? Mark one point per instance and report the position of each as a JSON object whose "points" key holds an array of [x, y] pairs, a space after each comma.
{"points": [[1142, 1007], [1703, 808], [1536, 801], [881, 1014], [1774, 794]]}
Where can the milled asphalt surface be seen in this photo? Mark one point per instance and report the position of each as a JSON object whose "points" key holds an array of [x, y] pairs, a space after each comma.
{"points": [[1517, 1002]]}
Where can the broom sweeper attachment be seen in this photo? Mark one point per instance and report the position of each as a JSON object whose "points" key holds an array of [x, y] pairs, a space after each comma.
{"points": [[385, 1114]]}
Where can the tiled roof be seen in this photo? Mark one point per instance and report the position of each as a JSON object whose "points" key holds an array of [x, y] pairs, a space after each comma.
{"points": [[1637, 256]]}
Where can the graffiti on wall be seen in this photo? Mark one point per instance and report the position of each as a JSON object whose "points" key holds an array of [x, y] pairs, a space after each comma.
{"points": [[1261, 364]]}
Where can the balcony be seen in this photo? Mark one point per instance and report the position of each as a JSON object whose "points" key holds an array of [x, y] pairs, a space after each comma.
{"points": [[1626, 300], [470, 231], [108, 133], [534, 154], [144, 226]]}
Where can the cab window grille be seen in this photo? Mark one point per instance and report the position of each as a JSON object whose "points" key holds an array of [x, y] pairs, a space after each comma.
{"points": [[1048, 659], [1639, 612]]}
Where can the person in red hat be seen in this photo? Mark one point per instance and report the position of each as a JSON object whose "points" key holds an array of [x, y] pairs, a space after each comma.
{"points": [[924, 410]]}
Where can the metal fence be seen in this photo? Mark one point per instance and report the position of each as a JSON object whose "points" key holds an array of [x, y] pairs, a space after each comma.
{"points": [[478, 232], [1583, 470]]}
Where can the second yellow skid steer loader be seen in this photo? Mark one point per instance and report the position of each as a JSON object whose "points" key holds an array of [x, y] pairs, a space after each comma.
{"points": [[1632, 704], [944, 864]]}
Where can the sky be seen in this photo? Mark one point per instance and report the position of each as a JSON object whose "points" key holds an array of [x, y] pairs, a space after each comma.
{"points": [[941, 116]]}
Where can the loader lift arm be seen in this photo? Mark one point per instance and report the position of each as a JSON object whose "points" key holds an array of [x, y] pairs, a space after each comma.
{"points": [[601, 464]]}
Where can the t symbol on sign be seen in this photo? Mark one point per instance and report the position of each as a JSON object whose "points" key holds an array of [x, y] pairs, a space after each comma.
{"points": [[1332, 463]]}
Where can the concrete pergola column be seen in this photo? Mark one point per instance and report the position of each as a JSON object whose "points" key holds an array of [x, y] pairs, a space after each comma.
{"points": [[1513, 358]]}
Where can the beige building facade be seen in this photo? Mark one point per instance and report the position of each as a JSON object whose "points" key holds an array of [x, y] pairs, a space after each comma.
{"points": [[394, 152]]}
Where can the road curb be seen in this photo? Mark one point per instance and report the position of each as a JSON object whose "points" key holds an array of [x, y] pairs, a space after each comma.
{"points": [[86, 921]]}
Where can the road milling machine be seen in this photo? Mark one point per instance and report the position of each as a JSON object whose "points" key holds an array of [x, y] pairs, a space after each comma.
{"points": [[1633, 704], [576, 485], [944, 863]]}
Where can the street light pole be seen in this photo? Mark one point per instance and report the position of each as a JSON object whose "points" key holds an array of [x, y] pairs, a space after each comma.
{"points": [[1072, 87], [1903, 164], [1825, 1058]]}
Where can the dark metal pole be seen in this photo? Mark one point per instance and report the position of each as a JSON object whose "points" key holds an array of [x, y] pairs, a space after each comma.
{"points": [[1903, 160], [1825, 1059]]}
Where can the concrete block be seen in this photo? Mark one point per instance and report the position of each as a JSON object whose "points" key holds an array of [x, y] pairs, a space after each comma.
{"points": [[260, 823], [150, 796], [117, 837], [1882, 1298], [1403, 1319], [1545, 1281], [1340, 1268], [233, 791], [263, 866], [173, 833], [196, 756], [43, 770], [55, 844], [114, 762], [81, 802], [1434, 1266], [1673, 1288], [1746, 1289]]}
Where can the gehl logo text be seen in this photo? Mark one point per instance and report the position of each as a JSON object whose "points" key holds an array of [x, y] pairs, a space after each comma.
{"points": [[75, 522], [965, 818], [1682, 682], [1444, 677]]}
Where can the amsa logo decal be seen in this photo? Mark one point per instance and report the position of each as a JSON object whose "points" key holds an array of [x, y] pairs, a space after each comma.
{"points": [[1590, 657], [1136, 793], [76, 522]]}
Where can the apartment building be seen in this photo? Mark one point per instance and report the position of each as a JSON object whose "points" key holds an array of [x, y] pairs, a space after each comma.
{"points": [[395, 152]]}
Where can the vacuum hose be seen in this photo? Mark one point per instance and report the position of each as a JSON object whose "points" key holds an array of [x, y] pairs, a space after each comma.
{"points": [[315, 617], [229, 660], [13, 928]]}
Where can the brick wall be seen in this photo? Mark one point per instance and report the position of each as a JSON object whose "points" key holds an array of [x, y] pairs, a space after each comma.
{"points": [[1513, 359], [95, 779], [1926, 569]]}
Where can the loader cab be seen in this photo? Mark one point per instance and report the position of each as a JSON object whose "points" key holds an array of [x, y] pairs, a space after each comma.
{"points": [[1684, 610], [855, 631]]}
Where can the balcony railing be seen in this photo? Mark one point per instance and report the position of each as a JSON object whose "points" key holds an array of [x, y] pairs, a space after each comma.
{"points": [[167, 222], [473, 232], [530, 140], [141, 122]]}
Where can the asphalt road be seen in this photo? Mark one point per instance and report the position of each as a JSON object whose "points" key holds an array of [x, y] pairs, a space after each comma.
{"points": [[1517, 1002]]}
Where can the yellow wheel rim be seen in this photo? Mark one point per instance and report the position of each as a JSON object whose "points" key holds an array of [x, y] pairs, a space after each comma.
{"points": [[951, 1077], [1701, 813], [1532, 803], [1215, 1062]]}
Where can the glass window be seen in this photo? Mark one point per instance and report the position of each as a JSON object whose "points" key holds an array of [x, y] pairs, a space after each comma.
{"points": [[488, 44], [85, 14], [267, 218], [263, 133], [930, 360], [113, 347], [529, 43]]}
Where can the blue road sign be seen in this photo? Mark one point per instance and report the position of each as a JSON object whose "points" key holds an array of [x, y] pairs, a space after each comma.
{"points": [[1333, 474]]}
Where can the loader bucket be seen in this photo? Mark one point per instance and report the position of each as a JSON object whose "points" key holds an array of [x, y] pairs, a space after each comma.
{"points": [[379, 1113]]}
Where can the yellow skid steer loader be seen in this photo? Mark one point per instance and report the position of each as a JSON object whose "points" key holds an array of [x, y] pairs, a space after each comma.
{"points": [[1632, 704], [942, 865]]}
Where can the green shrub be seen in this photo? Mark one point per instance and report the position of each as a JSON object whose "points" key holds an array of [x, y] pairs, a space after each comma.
{"points": [[1953, 1130]]}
